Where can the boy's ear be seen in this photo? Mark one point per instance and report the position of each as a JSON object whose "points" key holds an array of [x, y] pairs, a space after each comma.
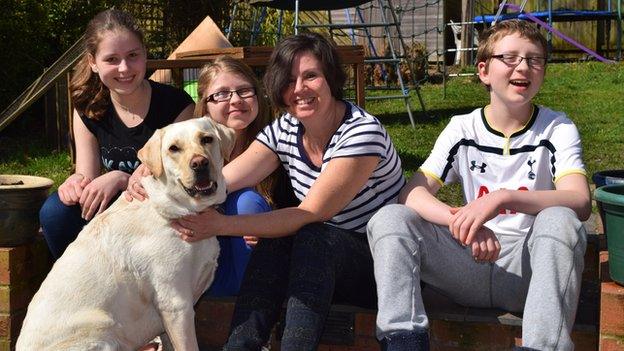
{"points": [[482, 70]]}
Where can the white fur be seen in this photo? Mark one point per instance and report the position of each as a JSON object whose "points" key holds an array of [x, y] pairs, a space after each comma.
{"points": [[128, 276]]}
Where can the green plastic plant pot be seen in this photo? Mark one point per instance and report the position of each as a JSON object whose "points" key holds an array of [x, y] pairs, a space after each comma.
{"points": [[21, 197], [611, 199]]}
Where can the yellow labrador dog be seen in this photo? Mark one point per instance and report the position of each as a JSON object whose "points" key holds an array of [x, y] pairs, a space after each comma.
{"points": [[128, 276]]}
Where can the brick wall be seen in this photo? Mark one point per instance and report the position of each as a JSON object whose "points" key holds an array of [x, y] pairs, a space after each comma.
{"points": [[22, 269], [611, 310]]}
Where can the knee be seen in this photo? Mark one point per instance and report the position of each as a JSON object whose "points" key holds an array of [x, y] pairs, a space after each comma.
{"points": [[311, 235], [561, 224], [53, 210], [245, 201], [393, 220]]}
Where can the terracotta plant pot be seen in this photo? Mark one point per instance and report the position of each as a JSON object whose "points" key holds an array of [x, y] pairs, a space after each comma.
{"points": [[21, 197]]}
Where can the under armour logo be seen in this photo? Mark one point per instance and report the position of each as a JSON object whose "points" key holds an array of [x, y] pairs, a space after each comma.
{"points": [[531, 173], [473, 165]]}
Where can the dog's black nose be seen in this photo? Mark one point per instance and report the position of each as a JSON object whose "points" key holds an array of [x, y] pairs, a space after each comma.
{"points": [[199, 163]]}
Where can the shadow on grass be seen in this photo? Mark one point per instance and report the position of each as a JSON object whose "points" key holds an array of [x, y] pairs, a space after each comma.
{"points": [[431, 116], [22, 148], [410, 162]]}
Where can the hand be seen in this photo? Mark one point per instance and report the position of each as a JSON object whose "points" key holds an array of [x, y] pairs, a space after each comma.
{"points": [[201, 226], [70, 191], [485, 246], [251, 241], [98, 193], [135, 189], [467, 220]]}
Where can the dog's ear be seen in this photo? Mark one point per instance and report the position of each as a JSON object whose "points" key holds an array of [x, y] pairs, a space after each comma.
{"points": [[228, 139], [150, 153]]}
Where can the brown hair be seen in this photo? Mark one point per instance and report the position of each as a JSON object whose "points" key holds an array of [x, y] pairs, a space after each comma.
{"points": [[277, 76], [228, 64], [504, 28], [89, 95]]}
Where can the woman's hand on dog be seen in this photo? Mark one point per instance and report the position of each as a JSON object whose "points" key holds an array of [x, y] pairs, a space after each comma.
{"points": [[69, 192], [201, 226], [135, 189], [99, 192]]}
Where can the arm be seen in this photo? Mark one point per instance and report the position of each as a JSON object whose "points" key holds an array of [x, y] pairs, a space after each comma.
{"points": [[99, 189], [570, 191], [334, 189], [251, 167], [87, 163], [87, 149], [419, 194]]}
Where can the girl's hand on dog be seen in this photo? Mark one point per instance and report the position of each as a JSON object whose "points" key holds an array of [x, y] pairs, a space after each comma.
{"points": [[135, 189], [201, 226], [98, 193], [70, 191]]}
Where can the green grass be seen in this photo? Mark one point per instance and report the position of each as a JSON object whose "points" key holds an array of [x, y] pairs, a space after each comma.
{"points": [[19, 155], [590, 93]]}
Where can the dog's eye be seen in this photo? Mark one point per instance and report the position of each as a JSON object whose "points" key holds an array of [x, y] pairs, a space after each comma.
{"points": [[206, 140], [174, 148]]}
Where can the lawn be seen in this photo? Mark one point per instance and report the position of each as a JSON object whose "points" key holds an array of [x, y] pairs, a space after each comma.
{"points": [[589, 92]]}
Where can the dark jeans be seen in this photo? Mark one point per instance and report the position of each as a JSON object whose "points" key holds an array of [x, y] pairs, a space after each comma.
{"points": [[319, 265], [60, 223]]}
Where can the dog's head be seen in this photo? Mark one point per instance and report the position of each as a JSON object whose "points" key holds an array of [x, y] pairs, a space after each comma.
{"points": [[187, 158]]}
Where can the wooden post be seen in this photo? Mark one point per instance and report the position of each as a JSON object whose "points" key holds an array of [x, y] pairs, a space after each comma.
{"points": [[466, 34]]}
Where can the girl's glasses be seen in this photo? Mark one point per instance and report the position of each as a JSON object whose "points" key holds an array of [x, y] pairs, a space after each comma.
{"points": [[226, 95]]}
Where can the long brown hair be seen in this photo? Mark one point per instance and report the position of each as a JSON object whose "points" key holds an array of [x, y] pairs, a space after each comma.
{"points": [[228, 64], [89, 95]]}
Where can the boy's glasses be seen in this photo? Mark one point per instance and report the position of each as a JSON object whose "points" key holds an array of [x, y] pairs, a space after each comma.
{"points": [[226, 95], [535, 62]]}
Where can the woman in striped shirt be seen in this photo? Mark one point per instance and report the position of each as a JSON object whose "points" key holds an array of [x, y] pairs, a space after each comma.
{"points": [[342, 167]]}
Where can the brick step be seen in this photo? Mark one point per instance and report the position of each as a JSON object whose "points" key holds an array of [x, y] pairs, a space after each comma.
{"points": [[453, 327]]}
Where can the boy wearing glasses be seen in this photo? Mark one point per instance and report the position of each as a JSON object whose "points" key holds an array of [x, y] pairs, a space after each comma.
{"points": [[517, 243]]}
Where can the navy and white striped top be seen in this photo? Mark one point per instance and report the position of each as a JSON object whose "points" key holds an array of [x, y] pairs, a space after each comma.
{"points": [[360, 134]]}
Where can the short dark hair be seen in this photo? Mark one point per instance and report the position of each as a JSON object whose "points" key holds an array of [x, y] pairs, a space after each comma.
{"points": [[277, 76]]}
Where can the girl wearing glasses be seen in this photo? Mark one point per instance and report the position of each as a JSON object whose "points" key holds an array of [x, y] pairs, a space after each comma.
{"points": [[231, 95]]}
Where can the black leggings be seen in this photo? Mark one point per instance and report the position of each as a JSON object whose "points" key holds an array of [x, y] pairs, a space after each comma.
{"points": [[319, 265]]}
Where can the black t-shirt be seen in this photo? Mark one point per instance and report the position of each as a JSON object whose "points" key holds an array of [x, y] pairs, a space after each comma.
{"points": [[119, 144]]}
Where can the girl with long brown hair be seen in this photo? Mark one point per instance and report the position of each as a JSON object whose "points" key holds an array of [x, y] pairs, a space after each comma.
{"points": [[116, 110]]}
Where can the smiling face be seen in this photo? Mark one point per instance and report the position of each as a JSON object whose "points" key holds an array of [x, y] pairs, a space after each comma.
{"points": [[120, 61], [237, 113], [512, 85], [308, 94]]}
